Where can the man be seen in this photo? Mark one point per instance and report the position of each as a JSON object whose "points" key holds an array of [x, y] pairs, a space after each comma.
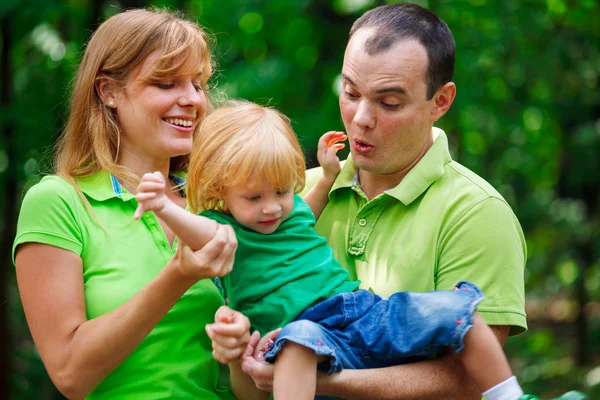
{"points": [[402, 216]]}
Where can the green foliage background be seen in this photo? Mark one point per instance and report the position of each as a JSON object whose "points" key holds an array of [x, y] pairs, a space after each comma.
{"points": [[526, 118]]}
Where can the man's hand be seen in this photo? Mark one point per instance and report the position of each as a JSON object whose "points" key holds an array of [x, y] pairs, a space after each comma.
{"points": [[327, 154], [253, 361], [150, 194]]}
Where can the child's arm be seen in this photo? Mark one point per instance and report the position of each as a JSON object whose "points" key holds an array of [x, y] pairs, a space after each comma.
{"points": [[193, 230], [318, 195]]}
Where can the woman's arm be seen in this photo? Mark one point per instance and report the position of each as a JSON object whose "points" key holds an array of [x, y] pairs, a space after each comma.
{"points": [[79, 353]]}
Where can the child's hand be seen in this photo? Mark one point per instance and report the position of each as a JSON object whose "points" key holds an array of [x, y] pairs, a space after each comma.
{"points": [[150, 194], [327, 153], [230, 334]]}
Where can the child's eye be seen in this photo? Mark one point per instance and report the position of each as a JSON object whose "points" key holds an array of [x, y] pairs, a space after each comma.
{"points": [[282, 192], [253, 198]]}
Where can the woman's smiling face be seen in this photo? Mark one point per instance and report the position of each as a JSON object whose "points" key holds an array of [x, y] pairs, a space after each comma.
{"points": [[158, 119]]}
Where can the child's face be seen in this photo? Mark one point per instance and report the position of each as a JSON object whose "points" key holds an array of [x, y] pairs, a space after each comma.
{"points": [[259, 205]]}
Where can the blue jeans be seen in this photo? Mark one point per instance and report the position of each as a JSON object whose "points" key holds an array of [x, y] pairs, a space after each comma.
{"points": [[360, 330]]}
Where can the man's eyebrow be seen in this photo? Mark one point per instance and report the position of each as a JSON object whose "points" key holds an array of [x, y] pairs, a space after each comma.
{"points": [[347, 78], [393, 89]]}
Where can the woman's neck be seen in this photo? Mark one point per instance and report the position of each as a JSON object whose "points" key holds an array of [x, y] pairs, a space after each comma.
{"points": [[143, 165]]}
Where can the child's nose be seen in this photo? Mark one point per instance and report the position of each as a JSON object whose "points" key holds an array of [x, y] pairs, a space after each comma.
{"points": [[272, 207]]}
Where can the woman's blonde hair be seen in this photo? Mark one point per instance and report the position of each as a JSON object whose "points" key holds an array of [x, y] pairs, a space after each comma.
{"points": [[91, 139], [238, 143]]}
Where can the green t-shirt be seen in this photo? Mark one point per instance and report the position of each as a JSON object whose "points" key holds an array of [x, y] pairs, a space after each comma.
{"points": [[120, 257], [440, 225], [277, 276]]}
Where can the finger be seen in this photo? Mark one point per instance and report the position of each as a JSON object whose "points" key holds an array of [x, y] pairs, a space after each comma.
{"points": [[322, 144], [138, 213], [225, 333], [254, 338], [225, 356], [158, 176], [333, 139], [224, 314], [151, 187], [208, 254], [224, 260], [273, 334], [145, 196]]}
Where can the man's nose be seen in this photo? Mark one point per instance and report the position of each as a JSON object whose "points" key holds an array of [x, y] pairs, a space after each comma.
{"points": [[365, 115]]}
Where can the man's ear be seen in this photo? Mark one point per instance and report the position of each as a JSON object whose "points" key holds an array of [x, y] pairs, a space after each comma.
{"points": [[106, 89], [443, 99]]}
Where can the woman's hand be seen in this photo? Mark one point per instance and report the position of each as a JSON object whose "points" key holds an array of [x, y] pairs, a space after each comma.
{"points": [[229, 334], [214, 259], [253, 361]]}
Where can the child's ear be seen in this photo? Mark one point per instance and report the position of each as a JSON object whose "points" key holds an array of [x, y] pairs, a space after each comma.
{"points": [[107, 90]]}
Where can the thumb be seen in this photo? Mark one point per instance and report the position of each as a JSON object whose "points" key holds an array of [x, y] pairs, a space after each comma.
{"points": [[251, 344]]}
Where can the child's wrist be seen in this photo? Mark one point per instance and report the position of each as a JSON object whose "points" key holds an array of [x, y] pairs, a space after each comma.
{"points": [[328, 180]]}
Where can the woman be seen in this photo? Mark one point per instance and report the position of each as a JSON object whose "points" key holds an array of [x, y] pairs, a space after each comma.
{"points": [[114, 310]]}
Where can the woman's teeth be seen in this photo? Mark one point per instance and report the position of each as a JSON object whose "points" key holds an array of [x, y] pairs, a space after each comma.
{"points": [[180, 122]]}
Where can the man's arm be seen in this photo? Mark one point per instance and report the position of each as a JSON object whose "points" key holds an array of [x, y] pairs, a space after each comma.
{"points": [[484, 245], [441, 378]]}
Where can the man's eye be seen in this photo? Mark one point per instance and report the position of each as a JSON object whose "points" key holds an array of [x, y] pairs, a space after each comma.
{"points": [[165, 86], [351, 95], [390, 106]]}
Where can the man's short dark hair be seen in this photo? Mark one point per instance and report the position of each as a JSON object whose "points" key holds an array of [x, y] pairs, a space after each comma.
{"points": [[400, 21]]}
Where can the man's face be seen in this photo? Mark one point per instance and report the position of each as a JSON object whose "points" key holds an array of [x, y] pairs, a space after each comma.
{"points": [[384, 105]]}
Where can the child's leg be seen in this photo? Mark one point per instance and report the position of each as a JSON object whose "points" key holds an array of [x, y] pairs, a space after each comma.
{"points": [[485, 362], [295, 374]]}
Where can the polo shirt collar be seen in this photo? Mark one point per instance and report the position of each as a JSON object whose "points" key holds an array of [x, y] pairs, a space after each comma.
{"points": [[103, 185], [428, 170]]}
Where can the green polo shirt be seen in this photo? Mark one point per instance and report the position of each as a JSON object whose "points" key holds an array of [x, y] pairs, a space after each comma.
{"points": [[120, 257], [440, 225]]}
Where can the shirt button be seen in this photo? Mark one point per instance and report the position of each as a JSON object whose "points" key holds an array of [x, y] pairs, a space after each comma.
{"points": [[362, 222]]}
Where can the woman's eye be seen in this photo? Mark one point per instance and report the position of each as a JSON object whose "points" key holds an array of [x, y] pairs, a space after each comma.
{"points": [[351, 95], [198, 87], [165, 86]]}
